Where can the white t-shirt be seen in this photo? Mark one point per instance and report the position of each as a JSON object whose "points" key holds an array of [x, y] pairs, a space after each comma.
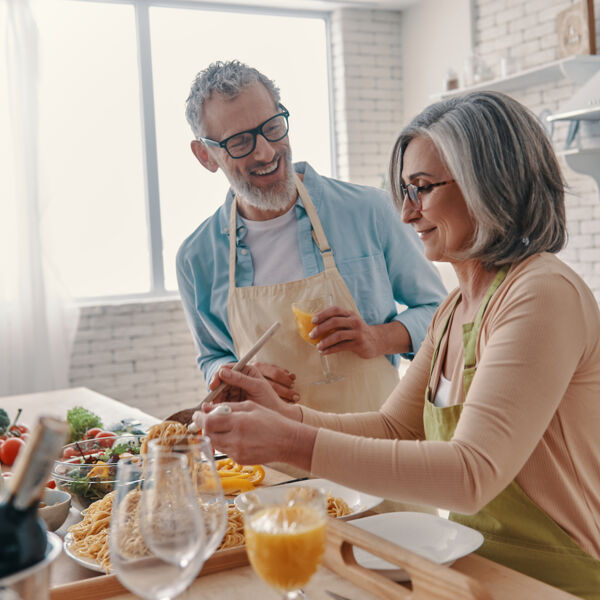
{"points": [[273, 245], [442, 395]]}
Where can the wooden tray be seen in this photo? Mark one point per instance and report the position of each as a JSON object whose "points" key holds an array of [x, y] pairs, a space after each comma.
{"points": [[429, 580]]}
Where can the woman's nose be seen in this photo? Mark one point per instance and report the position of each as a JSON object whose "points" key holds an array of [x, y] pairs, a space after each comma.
{"points": [[409, 211]]}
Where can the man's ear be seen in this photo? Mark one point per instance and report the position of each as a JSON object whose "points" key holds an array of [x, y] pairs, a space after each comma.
{"points": [[201, 153]]}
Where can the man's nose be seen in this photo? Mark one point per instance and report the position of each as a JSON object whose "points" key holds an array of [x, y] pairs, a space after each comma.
{"points": [[264, 150]]}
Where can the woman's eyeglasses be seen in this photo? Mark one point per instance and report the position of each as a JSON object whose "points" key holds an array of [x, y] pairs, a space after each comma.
{"points": [[414, 192]]}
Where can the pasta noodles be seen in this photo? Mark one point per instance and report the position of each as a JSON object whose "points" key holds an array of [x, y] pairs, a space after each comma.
{"points": [[337, 507], [90, 537]]}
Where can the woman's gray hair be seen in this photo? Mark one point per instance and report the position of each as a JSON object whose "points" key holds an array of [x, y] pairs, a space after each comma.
{"points": [[506, 169], [226, 78]]}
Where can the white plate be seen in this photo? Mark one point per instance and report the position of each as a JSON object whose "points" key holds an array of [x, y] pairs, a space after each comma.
{"points": [[357, 501], [439, 540], [88, 563]]}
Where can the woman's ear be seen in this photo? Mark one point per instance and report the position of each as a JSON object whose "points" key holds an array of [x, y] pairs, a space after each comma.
{"points": [[200, 151]]}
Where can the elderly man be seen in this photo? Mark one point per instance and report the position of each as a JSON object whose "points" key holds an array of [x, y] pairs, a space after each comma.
{"points": [[287, 234]]}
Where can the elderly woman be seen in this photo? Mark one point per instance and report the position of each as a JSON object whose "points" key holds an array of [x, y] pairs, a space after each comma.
{"points": [[498, 416]]}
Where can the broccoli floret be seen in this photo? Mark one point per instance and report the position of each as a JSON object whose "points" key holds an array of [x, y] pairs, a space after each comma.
{"points": [[80, 419], [4, 421]]}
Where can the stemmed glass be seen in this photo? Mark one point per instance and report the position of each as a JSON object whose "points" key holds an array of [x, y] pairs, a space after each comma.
{"points": [[285, 536], [304, 311], [157, 534], [206, 483]]}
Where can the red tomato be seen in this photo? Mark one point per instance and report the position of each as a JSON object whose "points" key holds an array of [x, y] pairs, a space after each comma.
{"points": [[70, 453], [18, 429], [106, 438], [92, 433], [51, 484], [10, 449]]}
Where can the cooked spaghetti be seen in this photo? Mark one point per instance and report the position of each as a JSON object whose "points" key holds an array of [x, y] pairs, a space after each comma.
{"points": [[337, 507], [234, 534], [169, 433]]}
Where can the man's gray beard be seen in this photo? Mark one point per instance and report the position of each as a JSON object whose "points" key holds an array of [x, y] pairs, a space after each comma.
{"points": [[275, 199]]}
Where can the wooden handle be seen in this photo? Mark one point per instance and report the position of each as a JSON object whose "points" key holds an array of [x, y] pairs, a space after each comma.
{"points": [[244, 360], [429, 580]]}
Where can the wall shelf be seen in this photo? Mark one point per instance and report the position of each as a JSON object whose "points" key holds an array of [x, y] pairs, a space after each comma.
{"points": [[576, 68], [583, 114]]}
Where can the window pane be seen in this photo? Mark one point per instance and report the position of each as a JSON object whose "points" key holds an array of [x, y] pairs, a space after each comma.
{"points": [[290, 50], [91, 147]]}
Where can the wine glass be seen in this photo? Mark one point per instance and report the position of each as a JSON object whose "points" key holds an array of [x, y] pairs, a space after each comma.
{"points": [[157, 533], [304, 311], [206, 483], [285, 535]]}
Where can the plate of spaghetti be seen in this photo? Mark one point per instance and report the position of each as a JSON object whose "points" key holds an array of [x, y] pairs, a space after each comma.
{"points": [[342, 502], [87, 542]]}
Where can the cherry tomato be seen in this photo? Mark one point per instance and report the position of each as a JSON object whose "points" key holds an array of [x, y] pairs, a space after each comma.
{"points": [[70, 453], [18, 429], [106, 438], [92, 433], [10, 449], [51, 484]]}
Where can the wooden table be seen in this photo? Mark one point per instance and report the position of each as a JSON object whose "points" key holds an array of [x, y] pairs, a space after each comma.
{"points": [[494, 580]]}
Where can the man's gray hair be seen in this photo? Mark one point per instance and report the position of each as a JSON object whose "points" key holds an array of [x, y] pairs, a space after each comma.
{"points": [[506, 169], [226, 78]]}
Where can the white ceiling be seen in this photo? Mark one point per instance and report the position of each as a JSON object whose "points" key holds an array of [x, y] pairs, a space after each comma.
{"points": [[317, 4]]}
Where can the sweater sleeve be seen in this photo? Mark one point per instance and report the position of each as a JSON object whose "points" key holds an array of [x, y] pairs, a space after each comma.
{"points": [[529, 350]]}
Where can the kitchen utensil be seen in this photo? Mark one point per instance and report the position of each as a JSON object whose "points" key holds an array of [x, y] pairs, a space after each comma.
{"points": [[185, 416]]}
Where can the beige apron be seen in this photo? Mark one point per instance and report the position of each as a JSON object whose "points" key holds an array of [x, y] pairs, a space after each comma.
{"points": [[251, 310], [518, 533]]}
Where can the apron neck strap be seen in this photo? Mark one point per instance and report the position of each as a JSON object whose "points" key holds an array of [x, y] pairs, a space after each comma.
{"points": [[318, 232]]}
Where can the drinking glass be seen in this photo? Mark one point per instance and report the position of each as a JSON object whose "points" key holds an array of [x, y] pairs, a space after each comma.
{"points": [[206, 483], [304, 311], [285, 536], [157, 534]]}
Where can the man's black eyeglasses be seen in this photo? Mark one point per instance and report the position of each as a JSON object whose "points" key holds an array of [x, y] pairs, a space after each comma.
{"points": [[413, 192], [243, 143]]}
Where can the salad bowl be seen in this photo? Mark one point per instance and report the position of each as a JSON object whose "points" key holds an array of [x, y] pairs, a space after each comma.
{"points": [[88, 468]]}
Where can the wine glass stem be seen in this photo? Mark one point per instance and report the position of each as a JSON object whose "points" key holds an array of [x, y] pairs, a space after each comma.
{"points": [[325, 366], [294, 595]]}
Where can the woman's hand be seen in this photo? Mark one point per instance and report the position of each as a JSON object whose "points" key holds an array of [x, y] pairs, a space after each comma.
{"points": [[253, 434]]}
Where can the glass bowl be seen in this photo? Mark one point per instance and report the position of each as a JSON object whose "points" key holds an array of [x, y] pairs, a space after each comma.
{"points": [[88, 468]]}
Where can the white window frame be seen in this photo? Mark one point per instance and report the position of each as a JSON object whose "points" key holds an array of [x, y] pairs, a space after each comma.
{"points": [[149, 150]]}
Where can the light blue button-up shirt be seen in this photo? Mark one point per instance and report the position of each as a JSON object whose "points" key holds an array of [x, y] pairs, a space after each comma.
{"points": [[379, 257]]}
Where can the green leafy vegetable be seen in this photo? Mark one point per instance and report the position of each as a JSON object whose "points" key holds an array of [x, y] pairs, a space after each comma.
{"points": [[80, 419], [131, 447], [4, 421]]}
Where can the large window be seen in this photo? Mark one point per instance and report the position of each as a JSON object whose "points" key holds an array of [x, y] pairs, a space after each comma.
{"points": [[122, 186]]}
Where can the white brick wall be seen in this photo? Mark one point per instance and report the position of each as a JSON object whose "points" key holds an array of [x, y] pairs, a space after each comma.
{"points": [[367, 76], [140, 353], [526, 31]]}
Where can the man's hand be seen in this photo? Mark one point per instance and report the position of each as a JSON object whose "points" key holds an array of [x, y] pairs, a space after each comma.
{"points": [[281, 380], [345, 330]]}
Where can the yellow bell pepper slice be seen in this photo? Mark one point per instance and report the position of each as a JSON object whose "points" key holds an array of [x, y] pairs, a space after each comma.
{"points": [[100, 470], [236, 484]]}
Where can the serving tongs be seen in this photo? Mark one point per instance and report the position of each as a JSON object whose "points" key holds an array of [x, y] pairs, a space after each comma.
{"points": [[185, 416]]}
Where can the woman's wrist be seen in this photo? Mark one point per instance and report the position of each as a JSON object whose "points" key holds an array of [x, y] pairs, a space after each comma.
{"points": [[300, 442]]}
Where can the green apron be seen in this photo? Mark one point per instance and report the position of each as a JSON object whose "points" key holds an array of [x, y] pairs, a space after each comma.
{"points": [[517, 532]]}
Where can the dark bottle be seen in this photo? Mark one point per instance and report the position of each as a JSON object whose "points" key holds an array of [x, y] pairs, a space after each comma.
{"points": [[23, 538]]}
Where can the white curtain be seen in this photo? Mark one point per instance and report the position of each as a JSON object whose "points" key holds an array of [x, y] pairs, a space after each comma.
{"points": [[37, 321]]}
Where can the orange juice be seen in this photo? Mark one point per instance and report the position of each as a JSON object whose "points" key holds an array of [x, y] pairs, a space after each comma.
{"points": [[285, 544], [305, 325]]}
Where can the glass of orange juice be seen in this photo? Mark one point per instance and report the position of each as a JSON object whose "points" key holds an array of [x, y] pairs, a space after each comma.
{"points": [[304, 311], [285, 535]]}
